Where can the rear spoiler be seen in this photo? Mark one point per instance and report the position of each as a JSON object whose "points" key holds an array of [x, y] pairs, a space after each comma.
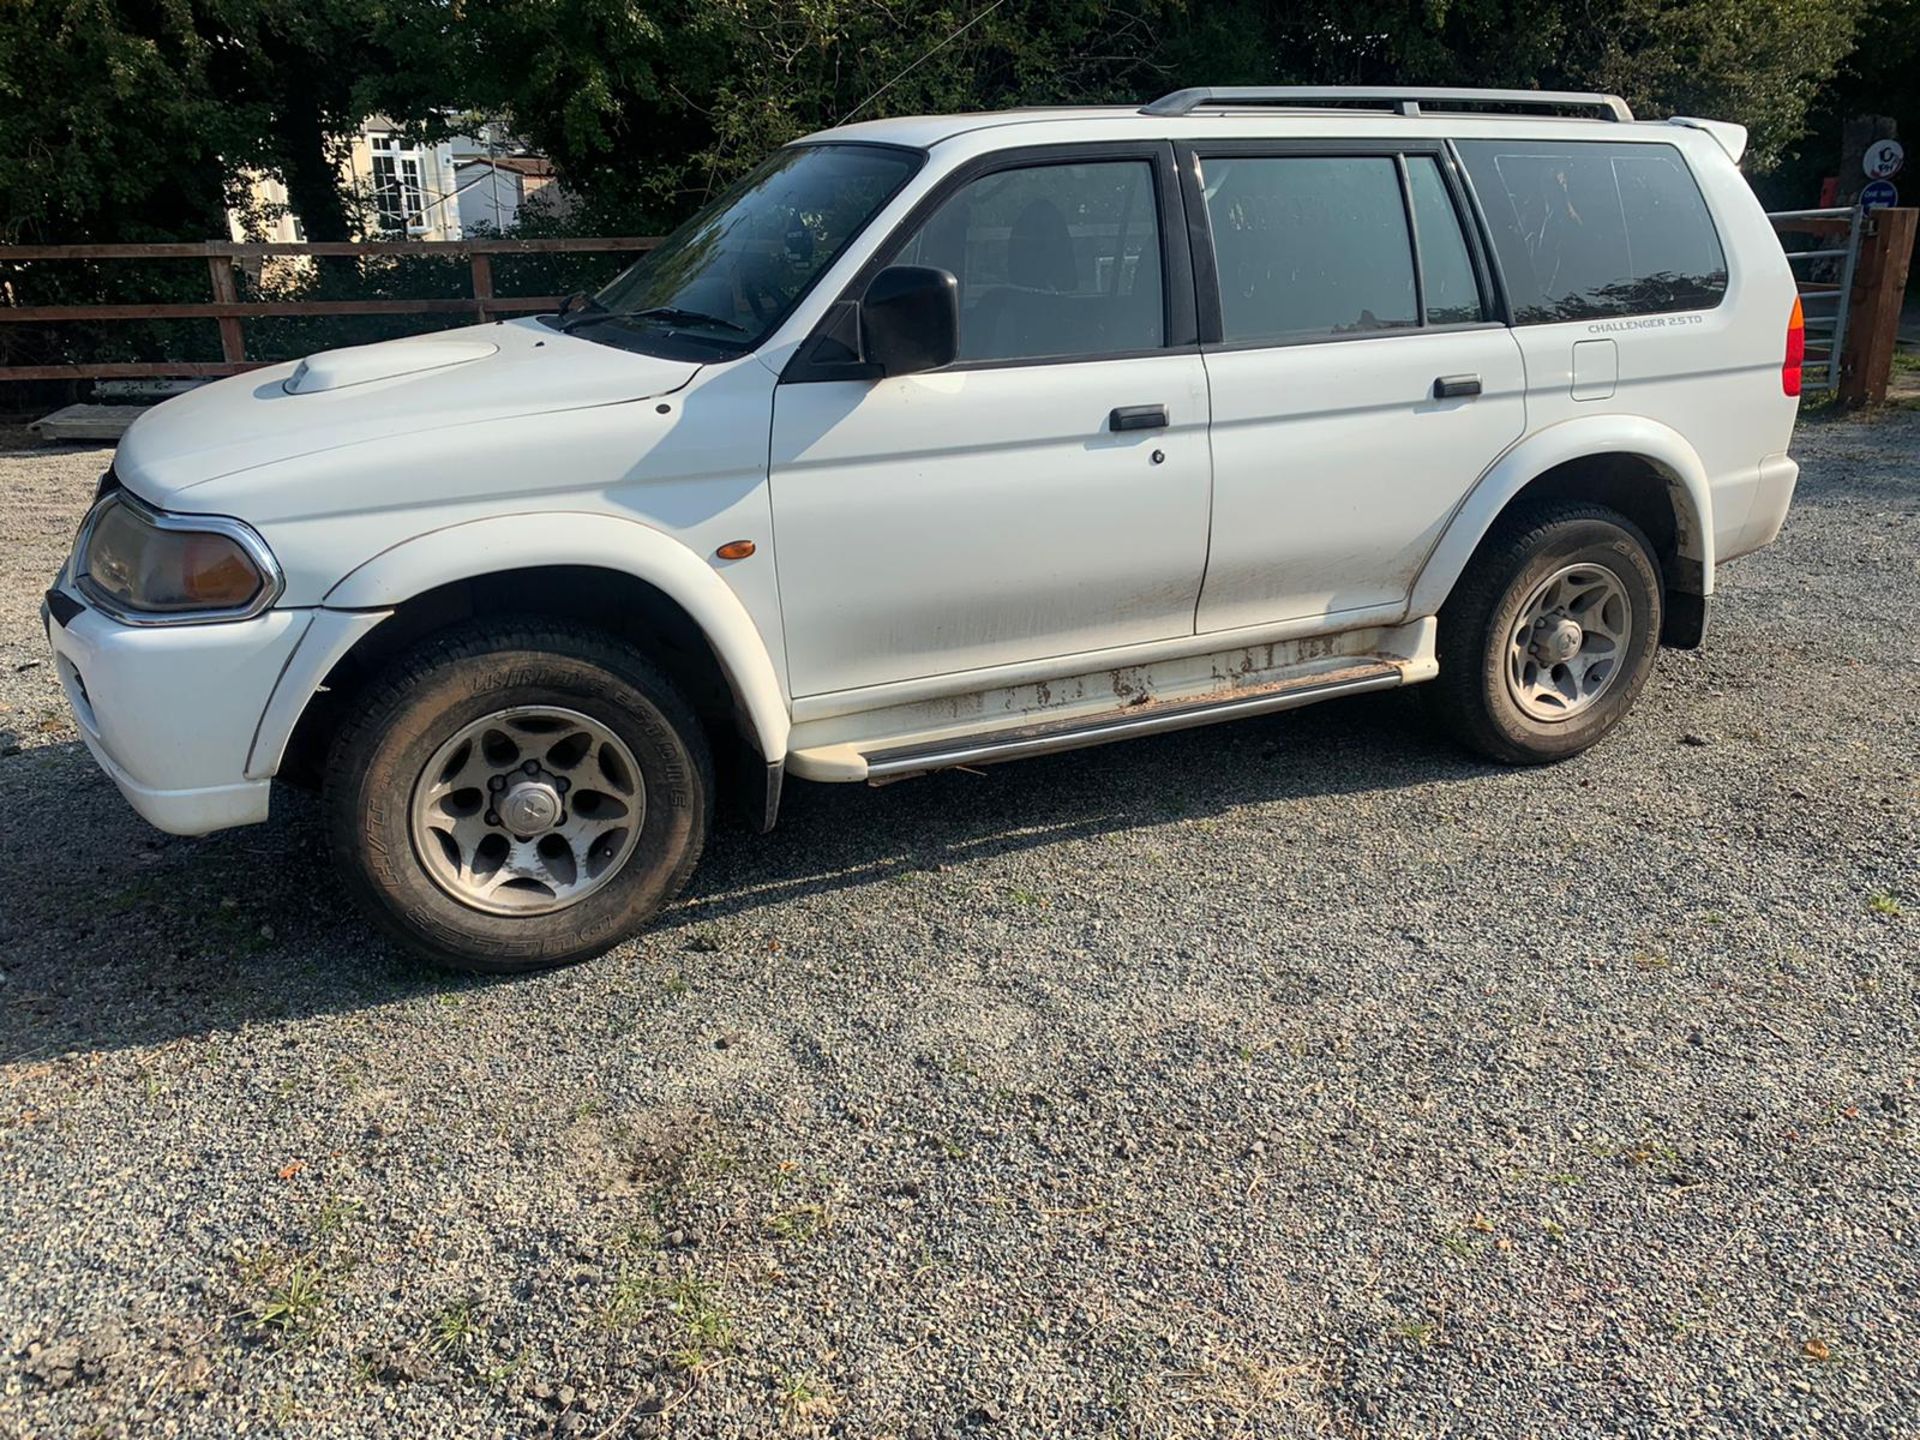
{"points": [[1732, 137]]}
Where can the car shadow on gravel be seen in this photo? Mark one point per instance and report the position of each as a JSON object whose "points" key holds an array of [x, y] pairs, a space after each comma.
{"points": [[116, 935], [833, 837]]}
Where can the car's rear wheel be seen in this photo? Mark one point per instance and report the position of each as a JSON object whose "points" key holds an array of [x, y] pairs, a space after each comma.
{"points": [[1549, 635], [512, 796]]}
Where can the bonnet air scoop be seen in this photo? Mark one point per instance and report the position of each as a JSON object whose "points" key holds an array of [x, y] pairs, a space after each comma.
{"points": [[360, 364]]}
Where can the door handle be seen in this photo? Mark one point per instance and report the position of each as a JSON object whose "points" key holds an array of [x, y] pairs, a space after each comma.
{"points": [[1138, 417], [1453, 387]]}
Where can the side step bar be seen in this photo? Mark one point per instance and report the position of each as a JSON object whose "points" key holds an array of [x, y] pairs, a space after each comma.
{"points": [[1149, 718]]}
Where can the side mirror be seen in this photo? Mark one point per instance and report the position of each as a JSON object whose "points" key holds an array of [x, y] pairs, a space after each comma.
{"points": [[910, 319]]}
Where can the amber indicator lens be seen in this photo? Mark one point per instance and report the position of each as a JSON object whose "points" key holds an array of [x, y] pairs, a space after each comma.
{"points": [[735, 550]]}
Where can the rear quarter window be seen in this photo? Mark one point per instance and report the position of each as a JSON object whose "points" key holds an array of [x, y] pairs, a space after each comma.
{"points": [[1587, 230]]}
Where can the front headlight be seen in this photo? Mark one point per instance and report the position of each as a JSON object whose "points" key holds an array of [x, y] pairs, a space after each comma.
{"points": [[143, 566]]}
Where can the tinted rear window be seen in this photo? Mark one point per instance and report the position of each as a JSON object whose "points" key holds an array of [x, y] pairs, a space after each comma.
{"points": [[1590, 230]]}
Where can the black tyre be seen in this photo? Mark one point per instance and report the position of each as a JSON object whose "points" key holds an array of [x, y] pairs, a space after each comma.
{"points": [[516, 795], [1549, 635]]}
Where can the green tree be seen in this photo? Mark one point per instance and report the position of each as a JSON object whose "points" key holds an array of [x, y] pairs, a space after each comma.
{"points": [[1760, 62], [107, 128], [133, 118], [646, 113]]}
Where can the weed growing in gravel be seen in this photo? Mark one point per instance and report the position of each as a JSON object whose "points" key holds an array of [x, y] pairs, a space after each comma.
{"points": [[797, 1225], [498, 1377], [705, 1327], [1420, 1332], [1645, 1151], [946, 1145], [455, 1328], [704, 939], [1241, 1384], [333, 1216], [637, 1238], [806, 1399], [627, 1306], [147, 890], [1884, 902], [294, 1300], [703, 1330], [710, 1162], [232, 933]]}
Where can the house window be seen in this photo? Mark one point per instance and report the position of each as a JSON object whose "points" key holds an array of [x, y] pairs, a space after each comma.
{"points": [[398, 197]]}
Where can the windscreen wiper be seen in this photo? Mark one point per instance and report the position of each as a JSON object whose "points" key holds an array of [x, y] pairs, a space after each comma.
{"points": [[672, 314]]}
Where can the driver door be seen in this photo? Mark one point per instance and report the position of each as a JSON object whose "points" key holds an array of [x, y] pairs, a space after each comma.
{"points": [[1047, 494]]}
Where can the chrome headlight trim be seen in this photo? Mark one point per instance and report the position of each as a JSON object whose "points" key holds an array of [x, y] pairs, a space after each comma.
{"points": [[273, 582]]}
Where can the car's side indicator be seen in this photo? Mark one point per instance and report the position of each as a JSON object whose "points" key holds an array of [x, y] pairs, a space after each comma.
{"points": [[735, 550]]}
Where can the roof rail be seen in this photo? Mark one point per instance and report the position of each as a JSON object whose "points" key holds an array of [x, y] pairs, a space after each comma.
{"points": [[1403, 99]]}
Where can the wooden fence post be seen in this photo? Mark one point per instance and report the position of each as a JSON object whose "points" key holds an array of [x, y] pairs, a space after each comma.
{"points": [[1873, 320], [233, 340], [482, 282]]}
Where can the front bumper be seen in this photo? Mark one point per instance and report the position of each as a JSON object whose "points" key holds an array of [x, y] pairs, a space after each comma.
{"points": [[170, 711]]}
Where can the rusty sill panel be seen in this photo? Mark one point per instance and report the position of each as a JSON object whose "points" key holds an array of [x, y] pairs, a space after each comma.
{"points": [[1145, 716]]}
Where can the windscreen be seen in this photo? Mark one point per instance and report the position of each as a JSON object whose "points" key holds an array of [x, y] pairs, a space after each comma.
{"points": [[729, 275]]}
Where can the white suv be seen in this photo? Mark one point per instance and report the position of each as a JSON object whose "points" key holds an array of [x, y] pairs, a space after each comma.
{"points": [[945, 441]]}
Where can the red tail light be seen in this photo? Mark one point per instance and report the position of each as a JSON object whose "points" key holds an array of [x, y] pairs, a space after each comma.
{"points": [[1796, 351]]}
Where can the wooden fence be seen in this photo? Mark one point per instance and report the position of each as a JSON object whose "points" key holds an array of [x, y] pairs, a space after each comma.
{"points": [[230, 312], [1860, 339]]}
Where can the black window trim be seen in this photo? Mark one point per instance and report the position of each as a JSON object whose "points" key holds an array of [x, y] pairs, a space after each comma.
{"points": [[1511, 317], [1479, 236], [1179, 322], [1192, 158]]}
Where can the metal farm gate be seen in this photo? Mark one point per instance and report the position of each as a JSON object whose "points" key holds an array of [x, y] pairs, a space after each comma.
{"points": [[1825, 278]]}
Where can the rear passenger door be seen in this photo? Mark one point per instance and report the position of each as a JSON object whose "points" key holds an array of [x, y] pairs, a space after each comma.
{"points": [[1360, 383]]}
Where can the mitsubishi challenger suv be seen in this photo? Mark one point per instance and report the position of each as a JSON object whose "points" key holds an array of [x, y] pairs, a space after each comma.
{"points": [[945, 441]]}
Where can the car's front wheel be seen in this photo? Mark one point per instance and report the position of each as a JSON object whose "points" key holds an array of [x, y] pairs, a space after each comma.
{"points": [[514, 796], [1549, 635]]}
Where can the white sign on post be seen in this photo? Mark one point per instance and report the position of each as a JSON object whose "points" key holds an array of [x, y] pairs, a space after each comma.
{"points": [[1883, 159]]}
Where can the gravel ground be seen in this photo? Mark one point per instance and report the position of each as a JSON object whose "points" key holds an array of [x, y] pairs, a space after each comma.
{"points": [[1293, 1077]]}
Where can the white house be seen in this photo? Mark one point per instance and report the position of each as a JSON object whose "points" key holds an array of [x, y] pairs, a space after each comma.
{"points": [[495, 190], [406, 191]]}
